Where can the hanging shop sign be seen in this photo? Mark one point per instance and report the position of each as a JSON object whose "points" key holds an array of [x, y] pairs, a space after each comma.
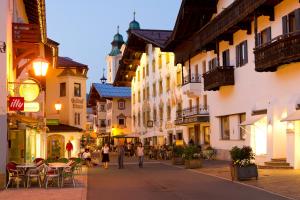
{"points": [[31, 107], [29, 89], [16, 103]]}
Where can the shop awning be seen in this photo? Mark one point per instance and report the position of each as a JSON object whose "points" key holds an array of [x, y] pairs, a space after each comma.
{"points": [[292, 117], [252, 120]]}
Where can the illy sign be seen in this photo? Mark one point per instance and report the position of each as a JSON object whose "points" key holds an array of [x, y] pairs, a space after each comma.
{"points": [[16, 103]]}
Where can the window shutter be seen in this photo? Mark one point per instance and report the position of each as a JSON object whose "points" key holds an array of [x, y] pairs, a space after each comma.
{"points": [[258, 39], [227, 58], [297, 19], [245, 46], [269, 34], [284, 25], [237, 51]]}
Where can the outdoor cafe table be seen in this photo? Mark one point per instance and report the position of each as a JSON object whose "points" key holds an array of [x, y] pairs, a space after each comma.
{"points": [[25, 167], [60, 167]]}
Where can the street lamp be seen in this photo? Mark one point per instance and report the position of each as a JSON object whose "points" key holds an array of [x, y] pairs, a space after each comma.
{"points": [[58, 107], [40, 66]]}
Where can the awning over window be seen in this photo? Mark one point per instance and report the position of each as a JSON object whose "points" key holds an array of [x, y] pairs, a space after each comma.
{"points": [[292, 117], [252, 120]]}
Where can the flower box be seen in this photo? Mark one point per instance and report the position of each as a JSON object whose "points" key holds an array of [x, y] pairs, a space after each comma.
{"points": [[193, 164], [244, 172]]}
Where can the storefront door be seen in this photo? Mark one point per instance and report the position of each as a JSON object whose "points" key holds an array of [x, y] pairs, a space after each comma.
{"points": [[206, 131], [56, 146]]}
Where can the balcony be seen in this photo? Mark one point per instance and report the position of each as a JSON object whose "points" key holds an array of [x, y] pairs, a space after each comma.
{"points": [[29, 33], [195, 114], [192, 85], [283, 49], [217, 77]]}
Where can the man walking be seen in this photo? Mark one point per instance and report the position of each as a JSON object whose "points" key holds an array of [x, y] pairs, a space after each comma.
{"points": [[121, 154], [140, 154]]}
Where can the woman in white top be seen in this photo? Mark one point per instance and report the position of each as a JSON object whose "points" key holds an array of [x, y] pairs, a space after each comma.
{"points": [[105, 155], [140, 154]]}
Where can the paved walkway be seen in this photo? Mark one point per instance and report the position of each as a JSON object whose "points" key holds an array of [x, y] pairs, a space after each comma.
{"points": [[52, 193], [284, 181], [162, 181]]}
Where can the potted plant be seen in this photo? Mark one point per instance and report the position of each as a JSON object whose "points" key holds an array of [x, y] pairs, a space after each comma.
{"points": [[242, 166], [192, 157], [209, 153], [178, 155]]}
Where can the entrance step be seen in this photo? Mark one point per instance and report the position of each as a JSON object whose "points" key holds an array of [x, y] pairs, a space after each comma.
{"points": [[276, 163]]}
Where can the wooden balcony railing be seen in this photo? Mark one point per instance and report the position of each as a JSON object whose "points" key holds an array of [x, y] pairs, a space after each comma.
{"points": [[193, 78], [281, 50], [26, 33], [219, 76], [196, 110]]}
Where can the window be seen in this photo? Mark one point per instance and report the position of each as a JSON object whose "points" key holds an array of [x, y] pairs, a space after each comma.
{"points": [[154, 89], [179, 136], [77, 89], [190, 104], [242, 54], [225, 131], [291, 22], [168, 83], [203, 66], [121, 122], [160, 87], [77, 119], [102, 108], [134, 120], [168, 59], [133, 98], [169, 113], [62, 89], [242, 118], [154, 114], [139, 119], [144, 74], [121, 104], [226, 58], [102, 123], [147, 116], [159, 61], [153, 65], [144, 119], [147, 69], [108, 122], [139, 96], [212, 64], [139, 76], [178, 78], [147, 92], [161, 112], [264, 36], [205, 101]]}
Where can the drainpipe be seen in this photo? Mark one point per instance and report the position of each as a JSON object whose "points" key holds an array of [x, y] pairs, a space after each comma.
{"points": [[189, 69]]}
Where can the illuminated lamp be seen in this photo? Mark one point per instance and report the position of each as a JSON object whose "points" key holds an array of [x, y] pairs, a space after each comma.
{"points": [[290, 126], [58, 107], [40, 66]]}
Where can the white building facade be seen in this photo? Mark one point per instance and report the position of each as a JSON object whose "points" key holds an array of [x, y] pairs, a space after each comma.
{"points": [[250, 77]]}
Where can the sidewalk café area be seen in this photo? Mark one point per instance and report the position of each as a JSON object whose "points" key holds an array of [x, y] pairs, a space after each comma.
{"points": [[42, 173]]}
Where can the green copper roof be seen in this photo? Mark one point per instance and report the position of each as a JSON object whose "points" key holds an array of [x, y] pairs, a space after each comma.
{"points": [[114, 51], [134, 25], [118, 38]]}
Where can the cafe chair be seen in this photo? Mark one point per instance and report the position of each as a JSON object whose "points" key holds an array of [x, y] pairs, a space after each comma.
{"points": [[68, 172], [51, 173], [14, 174], [35, 173]]}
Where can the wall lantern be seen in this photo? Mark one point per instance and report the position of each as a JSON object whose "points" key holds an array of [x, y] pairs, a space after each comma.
{"points": [[40, 66], [58, 107]]}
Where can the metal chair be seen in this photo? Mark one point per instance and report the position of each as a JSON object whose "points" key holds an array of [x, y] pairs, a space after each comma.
{"points": [[35, 173], [69, 172], [51, 173], [14, 174]]}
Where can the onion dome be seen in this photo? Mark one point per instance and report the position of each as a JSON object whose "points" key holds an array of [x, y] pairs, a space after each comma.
{"points": [[133, 25], [116, 44]]}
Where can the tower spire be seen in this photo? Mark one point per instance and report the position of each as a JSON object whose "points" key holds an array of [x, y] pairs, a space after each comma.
{"points": [[134, 15], [118, 27]]}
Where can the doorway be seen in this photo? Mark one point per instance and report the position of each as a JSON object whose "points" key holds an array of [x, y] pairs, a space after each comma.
{"points": [[16, 145], [56, 146]]}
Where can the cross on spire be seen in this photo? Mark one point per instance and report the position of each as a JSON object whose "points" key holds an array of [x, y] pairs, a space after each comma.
{"points": [[118, 28]]}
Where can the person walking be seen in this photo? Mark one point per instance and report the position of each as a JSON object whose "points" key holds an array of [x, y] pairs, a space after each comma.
{"points": [[105, 155], [121, 154], [140, 154], [87, 157]]}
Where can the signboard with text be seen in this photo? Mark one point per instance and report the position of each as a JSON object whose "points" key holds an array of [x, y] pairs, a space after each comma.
{"points": [[16, 104]]}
